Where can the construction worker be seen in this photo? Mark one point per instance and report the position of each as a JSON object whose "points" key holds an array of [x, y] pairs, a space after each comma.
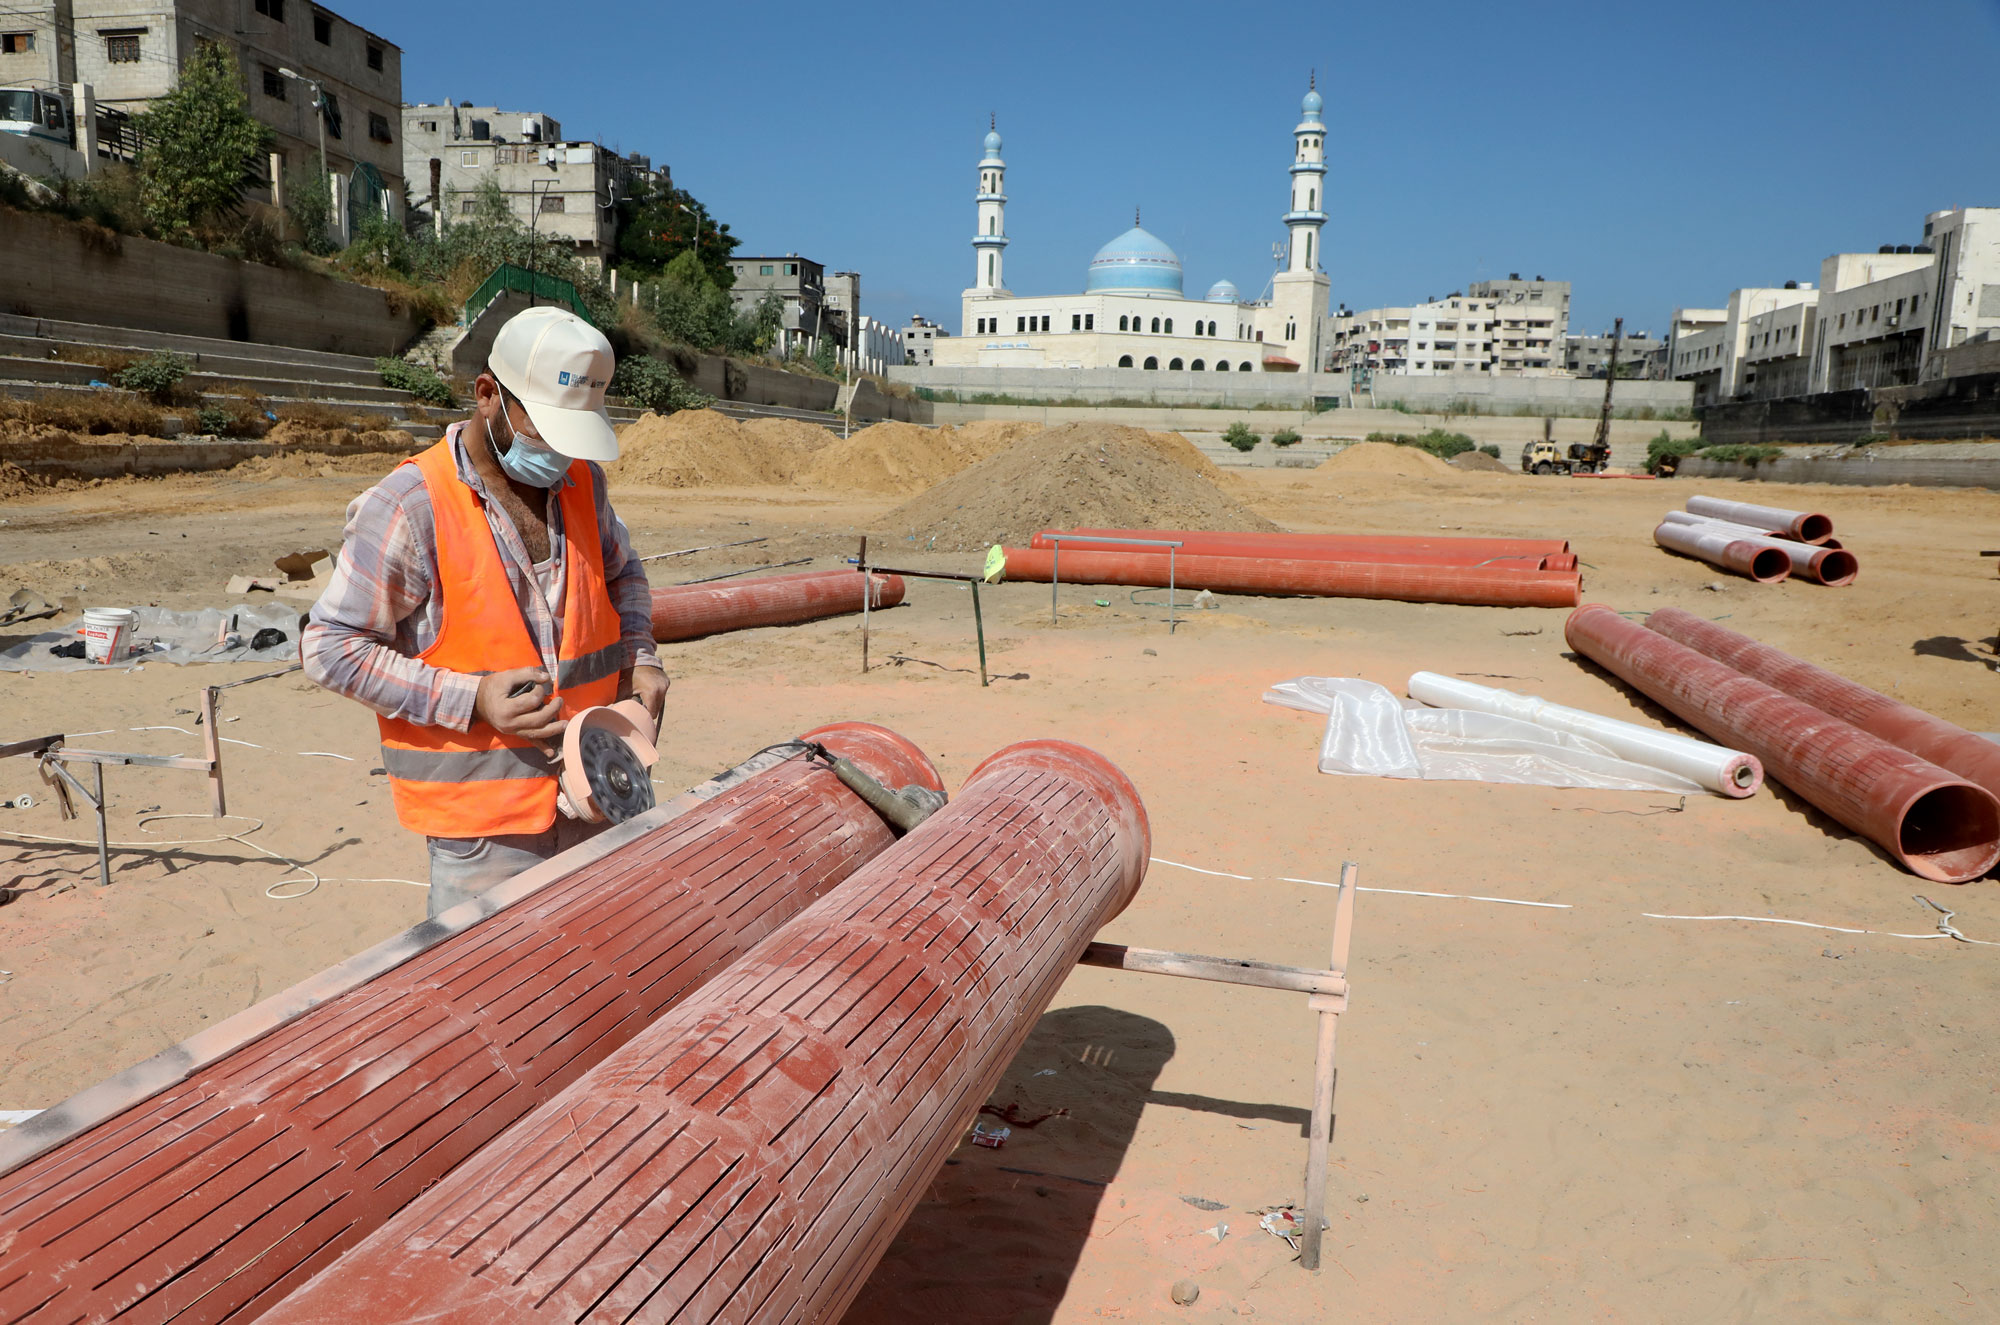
{"points": [[485, 593]]}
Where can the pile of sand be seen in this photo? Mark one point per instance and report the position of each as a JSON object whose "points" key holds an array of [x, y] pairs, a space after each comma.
{"points": [[307, 463], [291, 435], [1479, 461], [699, 448], [1384, 458], [18, 482], [896, 458], [791, 434], [1080, 474]]}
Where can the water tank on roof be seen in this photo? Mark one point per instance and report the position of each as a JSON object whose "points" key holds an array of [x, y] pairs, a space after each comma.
{"points": [[530, 129], [1903, 248], [1886, 248]]}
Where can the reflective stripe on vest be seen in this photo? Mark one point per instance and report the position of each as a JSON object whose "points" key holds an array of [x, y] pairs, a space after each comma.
{"points": [[480, 783]]}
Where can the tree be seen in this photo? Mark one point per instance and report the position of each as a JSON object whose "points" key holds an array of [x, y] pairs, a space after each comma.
{"points": [[309, 204], [201, 144], [658, 223]]}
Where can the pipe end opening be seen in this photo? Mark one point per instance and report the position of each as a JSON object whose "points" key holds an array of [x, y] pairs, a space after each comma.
{"points": [[1837, 567], [1951, 833], [1769, 566], [1813, 528]]}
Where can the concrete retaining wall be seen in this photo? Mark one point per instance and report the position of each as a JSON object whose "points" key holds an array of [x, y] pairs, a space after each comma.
{"points": [[1870, 468], [1967, 406], [1563, 396], [60, 459], [58, 269]]}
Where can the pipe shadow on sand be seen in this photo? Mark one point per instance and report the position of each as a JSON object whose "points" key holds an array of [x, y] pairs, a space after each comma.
{"points": [[998, 1234]]}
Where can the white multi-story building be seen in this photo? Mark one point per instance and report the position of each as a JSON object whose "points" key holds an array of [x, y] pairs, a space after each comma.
{"points": [[566, 189], [1877, 319], [1133, 312], [1458, 334]]}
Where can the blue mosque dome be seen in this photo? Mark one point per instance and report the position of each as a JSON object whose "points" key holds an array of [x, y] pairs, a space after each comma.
{"points": [[993, 143], [1136, 261], [1223, 292], [1313, 104]]}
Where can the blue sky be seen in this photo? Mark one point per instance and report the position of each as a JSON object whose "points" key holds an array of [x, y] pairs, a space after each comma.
{"points": [[1654, 156]]}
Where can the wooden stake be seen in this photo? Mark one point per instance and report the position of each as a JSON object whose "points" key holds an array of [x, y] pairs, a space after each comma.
{"points": [[1319, 1144], [213, 740], [867, 600]]}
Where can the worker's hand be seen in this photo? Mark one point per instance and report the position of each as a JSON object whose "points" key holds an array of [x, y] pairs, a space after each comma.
{"points": [[648, 685], [535, 716]]}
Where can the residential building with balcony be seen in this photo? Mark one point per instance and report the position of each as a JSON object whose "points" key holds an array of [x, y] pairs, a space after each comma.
{"points": [[918, 340]]}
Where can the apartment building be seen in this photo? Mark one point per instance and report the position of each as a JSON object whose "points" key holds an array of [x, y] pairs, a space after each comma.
{"points": [[1641, 355], [1877, 319], [802, 284], [567, 189], [1453, 335], [919, 338], [130, 52]]}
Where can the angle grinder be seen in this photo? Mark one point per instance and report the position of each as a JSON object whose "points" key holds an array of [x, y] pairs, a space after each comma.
{"points": [[607, 753]]}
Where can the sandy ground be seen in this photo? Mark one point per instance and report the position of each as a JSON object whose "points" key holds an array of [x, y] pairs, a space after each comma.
{"points": [[1544, 1114]]}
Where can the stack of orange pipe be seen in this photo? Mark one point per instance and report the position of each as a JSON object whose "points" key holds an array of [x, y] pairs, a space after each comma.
{"points": [[1488, 572]]}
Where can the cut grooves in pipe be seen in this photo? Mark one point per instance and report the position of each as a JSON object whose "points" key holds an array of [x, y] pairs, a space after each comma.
{"points": [[751, 1155], [215, 1197], [689, 611], [1935, 824]]}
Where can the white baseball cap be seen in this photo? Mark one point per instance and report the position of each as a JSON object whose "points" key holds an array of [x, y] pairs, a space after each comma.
{"points": [[557, 365]]}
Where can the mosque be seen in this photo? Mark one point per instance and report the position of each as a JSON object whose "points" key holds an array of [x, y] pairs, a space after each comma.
{"points": [[1133, 312]]}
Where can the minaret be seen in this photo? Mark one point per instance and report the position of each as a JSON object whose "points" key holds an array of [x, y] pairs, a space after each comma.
{"points": [[1308, 212], [991, 239]]}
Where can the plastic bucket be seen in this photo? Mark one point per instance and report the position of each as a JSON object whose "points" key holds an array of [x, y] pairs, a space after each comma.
{"points": [[107, 634]]}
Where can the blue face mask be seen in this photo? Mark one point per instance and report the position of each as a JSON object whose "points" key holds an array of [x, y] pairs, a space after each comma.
{"points": [[527, 460]]}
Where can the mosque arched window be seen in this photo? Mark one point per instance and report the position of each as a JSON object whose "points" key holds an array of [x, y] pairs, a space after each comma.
{"points": [[1156, 324], [1124, 361], [1245, 367], [989, 269], [1170, 326], [1197, 365], [1174, 365], [1151, 362], [1222, 365], [1312, 199], [1122, 327], [1309, 250], [1211, 328]]}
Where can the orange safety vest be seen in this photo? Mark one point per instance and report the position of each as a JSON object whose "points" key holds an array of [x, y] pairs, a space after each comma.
{"points": [[480, 782]]}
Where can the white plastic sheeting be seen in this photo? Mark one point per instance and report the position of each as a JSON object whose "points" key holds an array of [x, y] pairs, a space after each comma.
{"points": [[172, 637], [1371, 733]]}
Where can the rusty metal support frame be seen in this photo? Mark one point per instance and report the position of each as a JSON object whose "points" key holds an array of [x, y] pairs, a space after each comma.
{"points": [[1172, 545], [1326, 994], [974, 581], [53, 755]]}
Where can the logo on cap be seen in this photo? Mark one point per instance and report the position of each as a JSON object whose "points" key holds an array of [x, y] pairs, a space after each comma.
{"points": [[562, 379]]}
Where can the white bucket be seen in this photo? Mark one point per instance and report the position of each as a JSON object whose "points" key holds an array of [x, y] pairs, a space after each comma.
{"points": [[107, 634]]}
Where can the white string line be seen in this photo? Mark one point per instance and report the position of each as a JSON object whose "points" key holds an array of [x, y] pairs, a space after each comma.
{"points": [[1945, 929], [323, 754], [1363, 888], [312, 880]]}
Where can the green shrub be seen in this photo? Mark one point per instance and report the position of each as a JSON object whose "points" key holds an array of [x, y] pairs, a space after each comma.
{"points": [[650, 384], [212, 420], [417, 379], [1491, 450], [1285, 437], [1444, 445], [1742, 453], [1665, 444], [1239, 436], [157, 375]]}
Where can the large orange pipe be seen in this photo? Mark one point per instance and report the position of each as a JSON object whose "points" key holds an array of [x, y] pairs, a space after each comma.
{"points": [[688, 611], [1928, 737], [1933, 822], [750, 1156], [1471, 585], [1233, 545], [211, 1181], [1279, 543]]}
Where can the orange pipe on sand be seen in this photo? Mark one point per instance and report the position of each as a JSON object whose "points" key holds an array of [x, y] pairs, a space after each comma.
{"points": [[1280, 544], [1475, 586], [1232, 545], [688, 611]]}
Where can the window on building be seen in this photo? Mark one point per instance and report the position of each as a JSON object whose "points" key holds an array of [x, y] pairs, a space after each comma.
{"points": [[378, 127], [274, 85], [766, 269], [271, 9], [1170, 326], [791, 269], [428, 126], [122, 47], [469, 160], [1152, 364], [1173, 365], [989, 269], [1090, 321], [322, 28], [1197, 366], [554, 202], [1124, 361], [1222, 365], [1045, 322], [1156, 325], [1076, 322], [1243, 367], [1121, 322], [1020, 325], [17, 43], [332, 113], [374, 57], [465, 205]]}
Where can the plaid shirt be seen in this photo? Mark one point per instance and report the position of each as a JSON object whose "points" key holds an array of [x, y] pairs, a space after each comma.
{"points": [[383, 605]]}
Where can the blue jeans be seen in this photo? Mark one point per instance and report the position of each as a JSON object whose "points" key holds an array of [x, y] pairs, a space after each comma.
{"points": [[464, 867]]}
